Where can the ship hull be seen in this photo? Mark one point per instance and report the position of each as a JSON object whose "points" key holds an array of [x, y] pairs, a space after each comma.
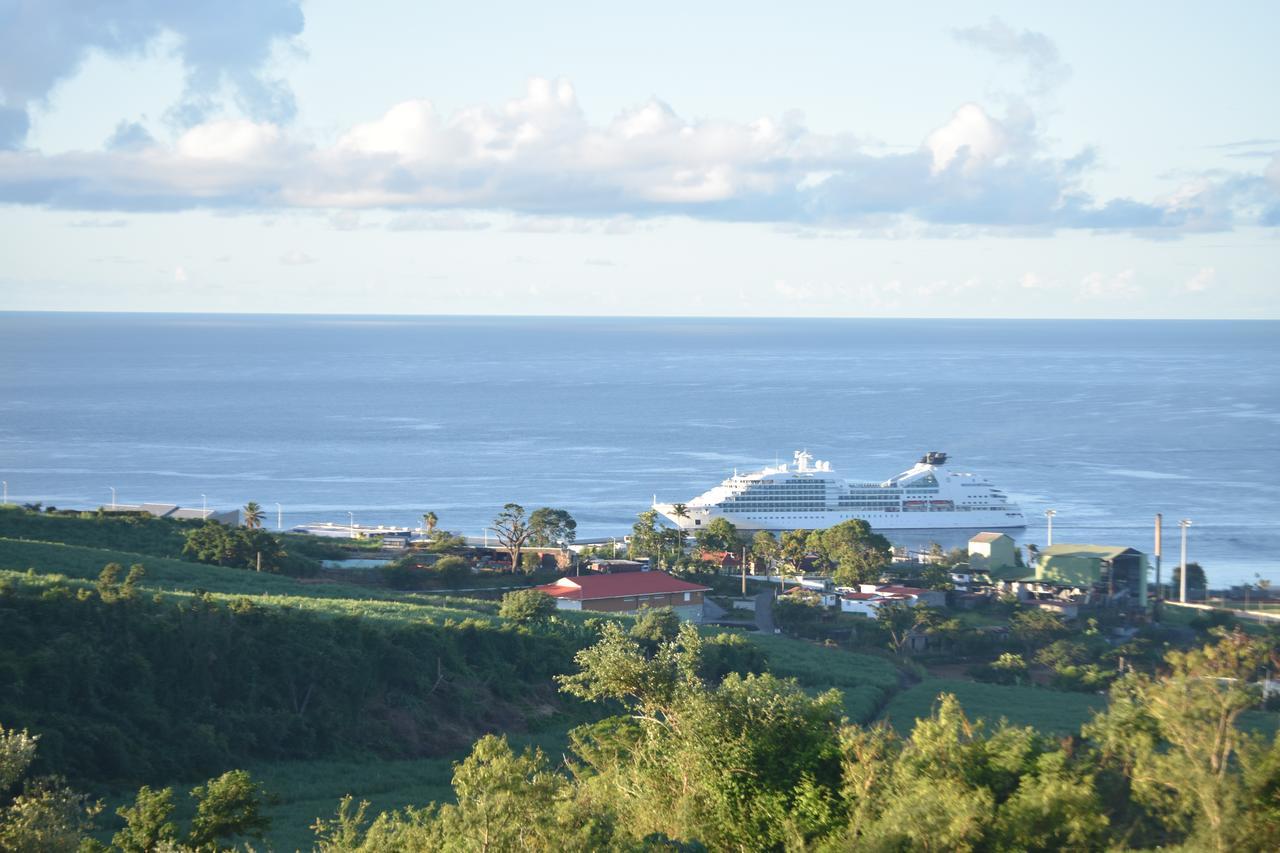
{"points": [[879, 521]]}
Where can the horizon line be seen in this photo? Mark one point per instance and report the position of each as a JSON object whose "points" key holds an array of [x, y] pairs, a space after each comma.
{"points": [[505, 316]]}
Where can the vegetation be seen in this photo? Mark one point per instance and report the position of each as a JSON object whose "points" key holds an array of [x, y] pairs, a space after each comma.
{"points": [[754, 762], [136, 688]]}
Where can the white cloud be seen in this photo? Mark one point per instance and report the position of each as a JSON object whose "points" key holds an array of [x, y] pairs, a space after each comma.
{"points": [[222, 52], [1120, 285], [971, 133], [537, 157], [235, 140], [1202, 280], [445, 221], [294, 258], [1044, 66]]}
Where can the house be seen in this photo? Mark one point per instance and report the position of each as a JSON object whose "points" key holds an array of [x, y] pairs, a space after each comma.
{"points": [[610, 567], [229, 517], [869, 603], [992, 551], [824, 597], [722, 560], [928, 597], [627, 592]]}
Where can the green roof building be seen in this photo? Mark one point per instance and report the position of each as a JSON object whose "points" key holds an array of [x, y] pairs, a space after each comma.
{"points": [[1111, 568]]}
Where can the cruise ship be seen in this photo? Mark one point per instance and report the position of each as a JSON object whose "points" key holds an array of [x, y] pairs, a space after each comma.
{"points": [[808, 494]]}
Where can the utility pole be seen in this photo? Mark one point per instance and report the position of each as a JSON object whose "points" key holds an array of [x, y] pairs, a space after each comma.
{"points": [[1182, 573], [204, 507], [113, 496], [6, 491], [351, 525], [279, 516], [1049, 514], [744, 572], [1158, 549]]}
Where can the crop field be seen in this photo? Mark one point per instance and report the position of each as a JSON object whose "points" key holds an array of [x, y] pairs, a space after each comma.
{"points": [[821, 666], [1050, 711], [863, 680], [181, 578]]}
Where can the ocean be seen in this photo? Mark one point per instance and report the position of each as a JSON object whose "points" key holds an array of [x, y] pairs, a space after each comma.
{"points": [[1106, 422]]}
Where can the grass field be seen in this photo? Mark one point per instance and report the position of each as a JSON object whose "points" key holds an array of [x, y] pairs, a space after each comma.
{"points": [[307, 790], [863, 680], [1050, 711], [178, 577]]}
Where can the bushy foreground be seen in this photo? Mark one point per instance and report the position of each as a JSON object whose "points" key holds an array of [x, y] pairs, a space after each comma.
{"points": [[754, 763]]}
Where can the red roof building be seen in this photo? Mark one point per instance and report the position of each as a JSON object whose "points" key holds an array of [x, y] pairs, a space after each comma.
{"points": [[627, 592], [722, 559]]}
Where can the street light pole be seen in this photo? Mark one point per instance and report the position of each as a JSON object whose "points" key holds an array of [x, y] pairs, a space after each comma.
{"points": [[6, 491], [279, 517], [351, 526], [113, 496], [1049, 514], [1182, 572], [204, 507]]}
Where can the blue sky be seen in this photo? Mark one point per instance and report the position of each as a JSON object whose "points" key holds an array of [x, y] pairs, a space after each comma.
{"points": [[735, 159]]}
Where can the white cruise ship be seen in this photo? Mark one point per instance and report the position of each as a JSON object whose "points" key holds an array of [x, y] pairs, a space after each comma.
{"points": [[808, 494]]}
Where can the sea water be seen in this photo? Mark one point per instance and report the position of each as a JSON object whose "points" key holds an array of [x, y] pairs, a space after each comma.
{"points": [[388, 417]]}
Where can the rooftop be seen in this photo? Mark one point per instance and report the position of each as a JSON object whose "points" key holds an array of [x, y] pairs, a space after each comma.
{"points": [[587, 588], [989, 537], [1105, 552]]}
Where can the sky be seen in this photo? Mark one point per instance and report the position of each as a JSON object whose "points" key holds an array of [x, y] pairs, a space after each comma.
{"points": [[953, 159]]}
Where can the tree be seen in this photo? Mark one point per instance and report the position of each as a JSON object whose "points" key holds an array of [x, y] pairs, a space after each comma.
{"points": [[44, 816], [680, 511], [512, 530], [527, 607], [551, 527], [794, 548], [1195, 579], [764, 550], [228, 806], [252, 515], [899, 620], [429, 521], [109, 582], [656, 625], [857, 554], [1177, 742], [147, 824], [1034, 627], [720, 534], [646, 538]]}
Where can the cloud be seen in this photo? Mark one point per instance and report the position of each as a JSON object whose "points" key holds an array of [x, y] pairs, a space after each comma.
{"points": [[1201, 281], [1045, 69], [296, 258], [223, 45], [129, 136], [447, 221], [1098, 285], [538, 158], [100, 223]]}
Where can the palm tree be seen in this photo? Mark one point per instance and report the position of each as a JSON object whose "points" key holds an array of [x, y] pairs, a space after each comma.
{"points": [[429, 521], [252, 515], [679, 511]]}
